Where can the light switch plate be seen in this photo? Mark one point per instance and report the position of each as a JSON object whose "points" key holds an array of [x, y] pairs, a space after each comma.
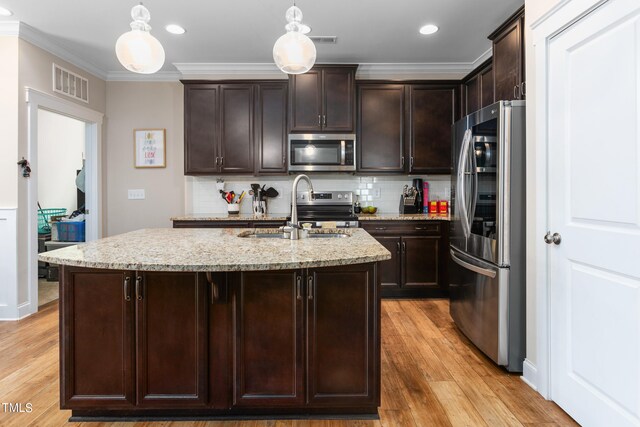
{"points": [[137, 194]]}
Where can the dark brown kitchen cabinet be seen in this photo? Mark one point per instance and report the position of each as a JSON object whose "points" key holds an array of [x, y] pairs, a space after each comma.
{"points": [[486, 86], [342, 356], [171, 320], [323, 99], [508, 58], [381, 128], [201, 129], [432, 112], [268, 354], [418, 267], [219, 128], [271, 128], [478, 88], [236, 128], [472, 94], [220, 337], [97, 300], [152, 347]]}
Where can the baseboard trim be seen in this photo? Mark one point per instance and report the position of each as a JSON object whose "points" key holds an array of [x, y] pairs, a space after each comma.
{"points": [[530, 374]]}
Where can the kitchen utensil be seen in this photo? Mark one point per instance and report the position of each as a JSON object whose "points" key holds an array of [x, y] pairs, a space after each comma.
{"points": [[244, 193], [271, 193]]}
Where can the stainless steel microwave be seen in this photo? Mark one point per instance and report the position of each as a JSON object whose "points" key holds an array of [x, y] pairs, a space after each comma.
{"points": [[322, 152]]}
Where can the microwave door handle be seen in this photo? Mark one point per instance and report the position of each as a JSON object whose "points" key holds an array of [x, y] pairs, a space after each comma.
{"points": [[343, 152]]}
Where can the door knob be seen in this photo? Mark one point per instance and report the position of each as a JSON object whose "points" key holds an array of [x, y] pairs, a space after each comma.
{"points": [[554, 238]]}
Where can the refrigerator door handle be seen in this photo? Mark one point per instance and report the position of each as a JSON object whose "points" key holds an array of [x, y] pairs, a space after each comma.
{"points": [[462, 166], [474, 268], [474, 193]]}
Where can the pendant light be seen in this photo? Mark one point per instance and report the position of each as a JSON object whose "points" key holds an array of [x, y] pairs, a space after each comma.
{"points": [[294, 52], [137, 50]]}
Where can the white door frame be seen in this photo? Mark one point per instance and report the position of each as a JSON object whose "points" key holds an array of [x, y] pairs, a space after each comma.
{"points": [[559, 18], [37, 100]]}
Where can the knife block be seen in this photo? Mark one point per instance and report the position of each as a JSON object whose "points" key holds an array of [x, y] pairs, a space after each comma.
{"points": [[408, 205]]}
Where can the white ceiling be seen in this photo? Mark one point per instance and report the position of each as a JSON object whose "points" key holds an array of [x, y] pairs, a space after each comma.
{"points": [[232, 31]]}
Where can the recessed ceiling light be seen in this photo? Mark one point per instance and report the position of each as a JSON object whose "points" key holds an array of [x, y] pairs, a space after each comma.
{"points": [[175, 29], [5, 12], [428, 29]]}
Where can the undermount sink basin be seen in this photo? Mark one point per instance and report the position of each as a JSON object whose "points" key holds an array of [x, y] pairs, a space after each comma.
{"points": [[280, 235]]}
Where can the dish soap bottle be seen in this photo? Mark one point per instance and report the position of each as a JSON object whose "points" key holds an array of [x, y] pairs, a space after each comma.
{"points": [[356, 206]]}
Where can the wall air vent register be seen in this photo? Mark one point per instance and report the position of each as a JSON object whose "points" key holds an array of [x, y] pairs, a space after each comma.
{"points": [[70, 84]]}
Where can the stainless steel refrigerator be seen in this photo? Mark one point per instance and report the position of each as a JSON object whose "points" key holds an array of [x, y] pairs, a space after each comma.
{"points": [[487, 252]]}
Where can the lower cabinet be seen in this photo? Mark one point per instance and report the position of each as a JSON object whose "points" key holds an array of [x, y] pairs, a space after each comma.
{"points": [[418, 266], [264, 342], [133, 339]]}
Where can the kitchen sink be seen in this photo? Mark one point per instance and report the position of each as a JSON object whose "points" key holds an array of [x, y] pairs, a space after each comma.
{"points": [[281, 235]]}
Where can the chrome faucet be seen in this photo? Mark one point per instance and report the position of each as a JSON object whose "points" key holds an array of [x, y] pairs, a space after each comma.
{"points": [[292, 227]]}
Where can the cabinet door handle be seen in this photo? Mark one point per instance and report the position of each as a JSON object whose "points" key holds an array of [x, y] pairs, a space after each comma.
{"points": [[411, 162], [404, 246], [310, 287], [422, 228], [319, 120], [299, 287], [127, 288], [398, 247], [402, 161], [284, 160], [324, 120], [139, 288], [381, 228], [221, 161], [523, 91], [516, 90], [216, 161]]}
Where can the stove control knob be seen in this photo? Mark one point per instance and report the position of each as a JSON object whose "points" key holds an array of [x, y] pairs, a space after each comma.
{"points": [[339, 196], [301, 196]]}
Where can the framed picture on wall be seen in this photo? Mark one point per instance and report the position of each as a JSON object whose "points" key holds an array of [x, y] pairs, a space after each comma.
{"points": [[150, 148]]}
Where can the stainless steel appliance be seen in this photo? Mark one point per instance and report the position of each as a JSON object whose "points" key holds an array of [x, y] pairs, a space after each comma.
{"points": [[322, 152], [326, 207], [487, 243]]}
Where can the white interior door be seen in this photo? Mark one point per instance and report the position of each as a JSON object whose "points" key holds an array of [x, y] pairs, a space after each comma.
{"points": [[594, 205]]}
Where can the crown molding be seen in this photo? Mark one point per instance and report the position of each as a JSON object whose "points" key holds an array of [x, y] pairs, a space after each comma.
{"points": [[481, 59], [128, 76], [44, 42], [194, 70]]}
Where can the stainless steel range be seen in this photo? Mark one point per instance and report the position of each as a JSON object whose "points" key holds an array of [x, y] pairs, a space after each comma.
{"points": [[326, 207]]}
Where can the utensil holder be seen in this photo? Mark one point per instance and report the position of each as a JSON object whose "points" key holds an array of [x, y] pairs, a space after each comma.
{"points": [[233, 209]]}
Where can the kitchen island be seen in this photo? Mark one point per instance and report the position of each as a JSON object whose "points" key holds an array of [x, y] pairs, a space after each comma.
{"points": [[188, 323]]}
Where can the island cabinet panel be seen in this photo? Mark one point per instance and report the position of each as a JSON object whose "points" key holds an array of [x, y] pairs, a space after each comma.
{"points": [[97, 339], [171, 323], [220, 355], [268, 339], [342, 348]]}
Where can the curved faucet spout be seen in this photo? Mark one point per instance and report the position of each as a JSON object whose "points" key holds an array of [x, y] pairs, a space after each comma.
{"points": [[294, 227]]}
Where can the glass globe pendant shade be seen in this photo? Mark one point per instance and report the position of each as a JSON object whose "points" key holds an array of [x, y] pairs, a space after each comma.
{"points": [[137, 50], [294, 53], [140, 52]]}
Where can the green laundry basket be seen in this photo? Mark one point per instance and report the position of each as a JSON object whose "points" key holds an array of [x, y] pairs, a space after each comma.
{"points": [[44, 218]]}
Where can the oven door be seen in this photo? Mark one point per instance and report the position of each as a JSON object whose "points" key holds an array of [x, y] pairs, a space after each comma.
{"points": [[322, 153]]}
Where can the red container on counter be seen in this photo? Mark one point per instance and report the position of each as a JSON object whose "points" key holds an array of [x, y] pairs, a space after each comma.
{"points": [[443, 207], [433, 206]]}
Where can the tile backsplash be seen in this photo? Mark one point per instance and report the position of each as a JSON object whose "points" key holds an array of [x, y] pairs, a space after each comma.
{"points": [[202, 197]]}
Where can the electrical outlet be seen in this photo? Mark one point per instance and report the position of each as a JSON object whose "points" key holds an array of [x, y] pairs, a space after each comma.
{"points": [[136, 194], [376, 193]]}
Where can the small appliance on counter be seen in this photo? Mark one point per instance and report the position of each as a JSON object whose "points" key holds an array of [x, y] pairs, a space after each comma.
{"points": [[409, 201]]}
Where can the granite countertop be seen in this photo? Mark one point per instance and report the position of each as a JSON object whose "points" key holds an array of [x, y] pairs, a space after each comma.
{"points": [[226, 217], [206, 249], [403, 217], [283, 217]]}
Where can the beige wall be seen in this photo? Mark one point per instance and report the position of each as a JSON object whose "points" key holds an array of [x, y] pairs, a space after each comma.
{"points": [[9, 171], [534, 9], [133, 105]]}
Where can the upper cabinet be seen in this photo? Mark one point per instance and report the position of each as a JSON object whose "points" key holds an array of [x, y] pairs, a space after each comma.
{"points": [[431, 114], [323, 99], [477, 88], [508, 58], [235, 128], [405, 128]]}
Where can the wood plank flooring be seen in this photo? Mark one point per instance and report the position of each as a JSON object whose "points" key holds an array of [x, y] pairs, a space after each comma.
{"points": [[431, 376]]}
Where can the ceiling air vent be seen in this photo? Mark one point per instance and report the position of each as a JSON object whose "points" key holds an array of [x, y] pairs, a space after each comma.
{"points": [[324, 39], [70, 84]]}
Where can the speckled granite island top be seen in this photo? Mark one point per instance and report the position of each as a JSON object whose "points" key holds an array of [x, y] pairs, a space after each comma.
{"points": [[200, 249]]}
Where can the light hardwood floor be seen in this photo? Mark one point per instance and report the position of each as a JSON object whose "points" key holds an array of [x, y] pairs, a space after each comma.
{"points": [[431, 376]]}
